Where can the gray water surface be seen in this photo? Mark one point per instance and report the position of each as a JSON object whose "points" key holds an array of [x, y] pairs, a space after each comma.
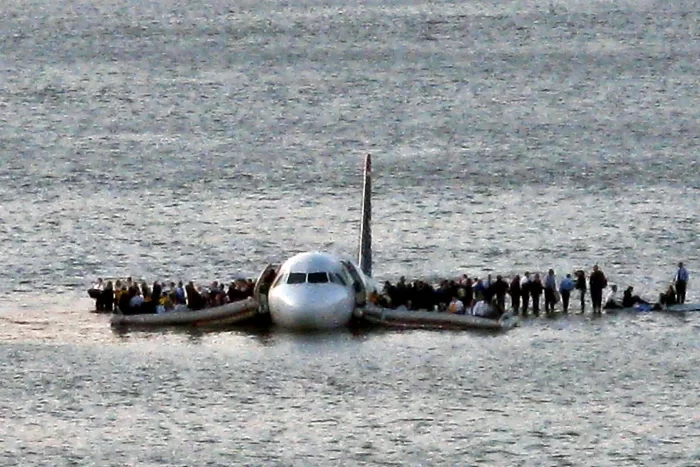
{"points": [[202, 140]]}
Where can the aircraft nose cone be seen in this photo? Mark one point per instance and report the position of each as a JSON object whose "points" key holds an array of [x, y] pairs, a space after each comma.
{"points": [[303, 307]]}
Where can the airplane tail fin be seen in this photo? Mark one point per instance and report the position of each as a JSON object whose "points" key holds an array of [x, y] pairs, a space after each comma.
{"points": [[365, 254]]}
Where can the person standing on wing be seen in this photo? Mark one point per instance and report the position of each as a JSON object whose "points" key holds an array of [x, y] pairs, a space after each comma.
{"points": [[581, 287], [681, 282], [536, 289], [565, 288], [514, 292], [597, 282], [525, 291], [550, 292]]}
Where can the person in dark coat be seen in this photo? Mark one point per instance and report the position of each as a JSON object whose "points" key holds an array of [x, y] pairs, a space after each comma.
{"points": [[500, 290], [550, 291], [108, 297], [125, 301], [668, 298], [402, 293], [514, 292], [156, 292], [597, 282], [195, 300], [232, 293], [581, 287], [536, 289], [489, 292], [629, 300], [468, 299], [525, 283]]}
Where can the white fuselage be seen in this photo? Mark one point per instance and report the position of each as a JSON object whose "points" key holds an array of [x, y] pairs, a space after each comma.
{"points": [[316, 291], [321, 290]]}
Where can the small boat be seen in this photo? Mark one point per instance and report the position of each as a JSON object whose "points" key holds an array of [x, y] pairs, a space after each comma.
{"points": [[230, 313], [433, 320]]}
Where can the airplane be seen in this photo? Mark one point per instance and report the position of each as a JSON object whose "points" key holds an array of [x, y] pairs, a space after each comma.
{"points": [[318, 290]]}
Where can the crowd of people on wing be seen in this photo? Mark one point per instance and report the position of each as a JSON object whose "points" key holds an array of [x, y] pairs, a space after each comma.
{"points": [[132, 298], [487, 297], [480, 297]]}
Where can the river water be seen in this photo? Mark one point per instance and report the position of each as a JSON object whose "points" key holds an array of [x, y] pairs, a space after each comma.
{"points": [[203, 140]]}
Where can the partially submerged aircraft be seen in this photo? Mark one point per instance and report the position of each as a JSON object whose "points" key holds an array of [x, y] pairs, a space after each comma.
{"points": [[317, 290]]}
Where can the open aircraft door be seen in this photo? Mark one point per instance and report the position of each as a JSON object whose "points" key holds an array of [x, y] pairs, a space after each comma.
{"points": [[262, 285], [358, 284]]}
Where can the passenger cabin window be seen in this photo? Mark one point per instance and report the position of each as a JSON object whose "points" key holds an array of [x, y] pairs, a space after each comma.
{"points": [[318, 278], [296, 278]]}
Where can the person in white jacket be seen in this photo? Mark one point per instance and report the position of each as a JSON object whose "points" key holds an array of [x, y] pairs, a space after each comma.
{"points": [[612, 300]]}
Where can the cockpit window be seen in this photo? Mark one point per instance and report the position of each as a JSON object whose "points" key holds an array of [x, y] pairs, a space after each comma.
{"points": [[318, 278], [337, 278], [356, 279], [278, 281], [296, 278], [353, 272]]}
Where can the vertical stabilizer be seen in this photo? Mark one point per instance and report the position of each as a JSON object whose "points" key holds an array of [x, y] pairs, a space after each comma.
{"points": [[365, 256]]}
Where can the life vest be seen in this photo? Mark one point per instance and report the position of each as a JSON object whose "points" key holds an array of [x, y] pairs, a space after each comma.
{"points": [[166, 302]]}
